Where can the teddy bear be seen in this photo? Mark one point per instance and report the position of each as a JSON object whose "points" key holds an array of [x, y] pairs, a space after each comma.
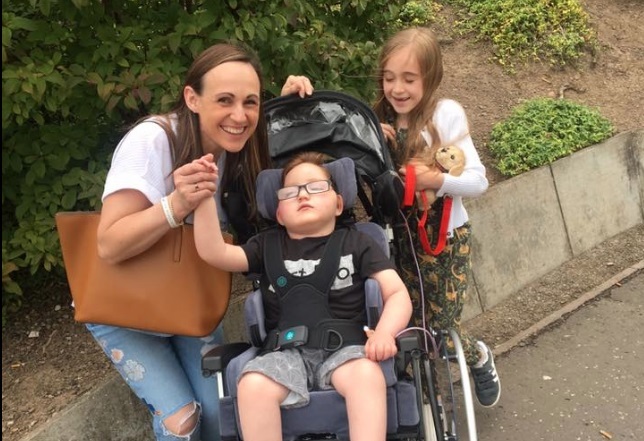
{"points": [[449, 159]]}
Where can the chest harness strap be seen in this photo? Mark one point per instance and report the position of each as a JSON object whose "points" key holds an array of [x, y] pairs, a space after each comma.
{"points": [[304, 301]]}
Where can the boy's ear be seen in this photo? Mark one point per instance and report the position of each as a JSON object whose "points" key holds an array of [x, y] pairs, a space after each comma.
{"points": [[278, 216], [340, 205]]}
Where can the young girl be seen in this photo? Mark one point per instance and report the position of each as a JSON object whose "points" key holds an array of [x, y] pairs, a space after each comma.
{"points": [[417, 122]]}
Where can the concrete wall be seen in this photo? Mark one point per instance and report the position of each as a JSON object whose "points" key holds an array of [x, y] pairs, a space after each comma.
{"points": [[110, 412], [527, 226], [523, 228]]}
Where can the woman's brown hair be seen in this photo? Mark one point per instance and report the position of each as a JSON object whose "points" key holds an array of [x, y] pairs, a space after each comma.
{"points": [[241, 169]]}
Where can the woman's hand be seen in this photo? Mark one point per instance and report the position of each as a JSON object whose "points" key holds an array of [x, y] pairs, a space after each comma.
{"points": [[193, 183], [297, 84]]}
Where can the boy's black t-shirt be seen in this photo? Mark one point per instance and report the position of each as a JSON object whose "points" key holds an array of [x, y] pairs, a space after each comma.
{"points": [[360, 258]]}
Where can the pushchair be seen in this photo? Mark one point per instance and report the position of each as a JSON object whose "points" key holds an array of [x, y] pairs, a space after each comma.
{"points": [[422, 398]]}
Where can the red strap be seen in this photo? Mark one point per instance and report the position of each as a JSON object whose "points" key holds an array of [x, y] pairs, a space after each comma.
{"points": [[408, 201], [442, 230], [422, 233], [410, 186]]}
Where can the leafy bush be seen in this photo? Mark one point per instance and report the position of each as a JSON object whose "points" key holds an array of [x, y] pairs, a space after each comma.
{"points": [[553, 30], [543, 130], [417, 13], [75, 73], [11, 291]]}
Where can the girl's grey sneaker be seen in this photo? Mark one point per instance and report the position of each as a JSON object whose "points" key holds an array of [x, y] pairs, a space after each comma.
{"points": [[486, 380]]}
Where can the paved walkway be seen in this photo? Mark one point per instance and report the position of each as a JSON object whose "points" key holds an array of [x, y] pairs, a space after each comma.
{"points": [[581, 380]]}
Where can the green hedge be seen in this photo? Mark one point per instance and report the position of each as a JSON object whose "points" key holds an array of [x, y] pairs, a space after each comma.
{"points": [[75, 73], [543, 130], [557, 31]]}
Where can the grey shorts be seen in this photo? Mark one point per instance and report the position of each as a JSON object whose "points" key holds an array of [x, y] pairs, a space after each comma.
{"points": [[302, 370]]}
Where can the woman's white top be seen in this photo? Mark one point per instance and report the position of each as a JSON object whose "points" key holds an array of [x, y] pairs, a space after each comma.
{"points": [[142, 161]]}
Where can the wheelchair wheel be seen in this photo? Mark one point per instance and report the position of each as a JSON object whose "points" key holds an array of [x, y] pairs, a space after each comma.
{"points": [[455, 400]]}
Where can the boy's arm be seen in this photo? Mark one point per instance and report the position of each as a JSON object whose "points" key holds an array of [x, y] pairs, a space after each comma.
{"points": [[395, 315], [210, 242]]}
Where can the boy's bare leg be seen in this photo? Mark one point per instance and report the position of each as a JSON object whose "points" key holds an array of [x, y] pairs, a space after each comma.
{"points": [[259, 400], [362, 384]]}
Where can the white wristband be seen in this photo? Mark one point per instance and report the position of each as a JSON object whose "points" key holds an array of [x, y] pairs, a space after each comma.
{"points": [[169, 215]]}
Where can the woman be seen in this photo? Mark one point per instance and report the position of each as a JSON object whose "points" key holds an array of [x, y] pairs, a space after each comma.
{"points": [[151, 187]]}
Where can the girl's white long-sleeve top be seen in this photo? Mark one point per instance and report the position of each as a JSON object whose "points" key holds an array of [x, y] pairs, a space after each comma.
{"points": [[452, 126]]}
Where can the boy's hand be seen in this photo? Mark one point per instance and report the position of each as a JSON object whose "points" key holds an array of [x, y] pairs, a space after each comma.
{"points": [[208, 161], [193, 183], [380, 345]]}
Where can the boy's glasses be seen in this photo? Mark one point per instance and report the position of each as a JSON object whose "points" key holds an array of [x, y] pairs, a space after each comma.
{"points": [[293, 191]]}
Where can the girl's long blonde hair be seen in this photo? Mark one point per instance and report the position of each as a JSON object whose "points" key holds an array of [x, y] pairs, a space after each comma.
{"points": [[426, 49]]}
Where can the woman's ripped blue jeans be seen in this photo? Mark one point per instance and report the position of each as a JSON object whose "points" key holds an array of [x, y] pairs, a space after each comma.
{"points": [[165, 373]]}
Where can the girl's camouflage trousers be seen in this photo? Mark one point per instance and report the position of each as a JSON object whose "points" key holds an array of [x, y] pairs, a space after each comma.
{"points": [[444, 277]]}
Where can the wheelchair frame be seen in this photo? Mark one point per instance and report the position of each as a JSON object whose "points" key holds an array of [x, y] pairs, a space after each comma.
{"points": [[424, 351], [440, 419]]}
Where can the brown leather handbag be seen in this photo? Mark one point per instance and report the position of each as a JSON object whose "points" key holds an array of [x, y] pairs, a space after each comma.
{"points": [[168, 288]]}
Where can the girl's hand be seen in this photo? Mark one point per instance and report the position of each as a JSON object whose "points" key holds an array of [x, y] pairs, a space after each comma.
{"points": [[297, 84], [193, 183], [389, 132], [427, 177]]}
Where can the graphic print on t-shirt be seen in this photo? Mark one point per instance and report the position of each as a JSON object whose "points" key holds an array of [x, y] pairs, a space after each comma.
{"points": [[304, 267]]}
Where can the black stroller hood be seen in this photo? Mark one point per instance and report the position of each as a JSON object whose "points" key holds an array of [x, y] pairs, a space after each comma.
{"points": [[338, 125], [330, 122]]}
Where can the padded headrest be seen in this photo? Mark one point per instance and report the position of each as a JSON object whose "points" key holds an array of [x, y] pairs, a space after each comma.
{"points": [[269, 181]]}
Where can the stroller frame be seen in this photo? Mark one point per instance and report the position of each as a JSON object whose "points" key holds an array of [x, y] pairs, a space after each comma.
{"points": [[339, 125]]}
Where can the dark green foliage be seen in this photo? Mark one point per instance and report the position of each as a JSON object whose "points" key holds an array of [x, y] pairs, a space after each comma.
{"points": [[77, 73], [543, 130]]}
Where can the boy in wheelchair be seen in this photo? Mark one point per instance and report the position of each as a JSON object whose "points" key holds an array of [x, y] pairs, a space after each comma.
{"points": [[314, 303]]}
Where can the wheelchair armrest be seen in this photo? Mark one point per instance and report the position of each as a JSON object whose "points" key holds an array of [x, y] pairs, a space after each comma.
{"points": [[409, 345], [218, 358], [408, 342]]}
